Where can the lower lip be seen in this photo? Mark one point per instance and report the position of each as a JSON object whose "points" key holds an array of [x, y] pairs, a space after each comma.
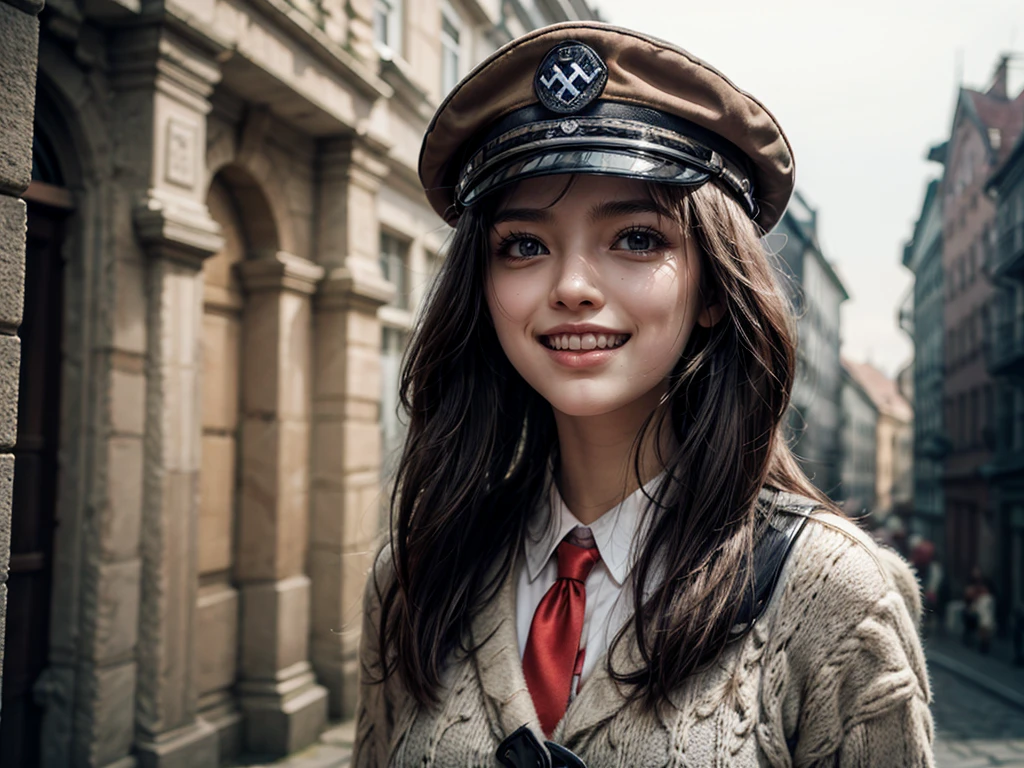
{"points": [[590, 358]]}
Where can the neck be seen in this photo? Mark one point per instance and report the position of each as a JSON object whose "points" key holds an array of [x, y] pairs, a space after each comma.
{"points": [[596, 470]]}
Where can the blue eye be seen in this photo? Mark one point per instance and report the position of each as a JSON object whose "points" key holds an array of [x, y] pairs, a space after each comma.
{"points": [[526, 248], [639, 240], [516, 246]]}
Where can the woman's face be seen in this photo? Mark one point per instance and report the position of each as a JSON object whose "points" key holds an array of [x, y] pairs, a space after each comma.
{"points": [[594, 296]]}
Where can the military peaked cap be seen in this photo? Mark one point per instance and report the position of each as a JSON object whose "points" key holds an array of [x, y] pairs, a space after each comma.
{"points": [[587, 97]]}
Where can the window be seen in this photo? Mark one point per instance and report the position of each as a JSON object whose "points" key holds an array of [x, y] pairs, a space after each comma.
{"points": [[387, 23], [433, 268], [961, 420], [394, 265], [395, 321], [392, 347], [974, 436], [450, 49], [988, 409]]}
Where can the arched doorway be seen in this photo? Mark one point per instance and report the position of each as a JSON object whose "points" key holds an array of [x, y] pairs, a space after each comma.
{"points": [[34, 513], [218, 601]]}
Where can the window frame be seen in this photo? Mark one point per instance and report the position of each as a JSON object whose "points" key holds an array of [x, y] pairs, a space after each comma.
{"points": [[454, 45], [389, 34]]}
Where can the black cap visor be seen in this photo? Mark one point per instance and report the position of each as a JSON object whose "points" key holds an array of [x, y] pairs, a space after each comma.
{"points": [[610, 140], [631, 164]]}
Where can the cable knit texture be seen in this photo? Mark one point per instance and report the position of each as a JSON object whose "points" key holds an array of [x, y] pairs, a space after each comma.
{"points": [[831, 675]]}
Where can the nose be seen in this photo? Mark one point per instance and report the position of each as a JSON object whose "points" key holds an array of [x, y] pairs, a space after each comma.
{"points": [[576, 285]]}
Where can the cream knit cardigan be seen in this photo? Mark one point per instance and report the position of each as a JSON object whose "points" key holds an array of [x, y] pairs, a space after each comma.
{"points": [[831, 675]]}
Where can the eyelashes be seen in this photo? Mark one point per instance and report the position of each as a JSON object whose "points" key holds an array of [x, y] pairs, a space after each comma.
{"points": [[637, 236], [522, 241], [638, 240]]}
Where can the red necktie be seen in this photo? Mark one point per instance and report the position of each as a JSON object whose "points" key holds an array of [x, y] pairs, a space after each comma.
{"points": [[554, 642]]}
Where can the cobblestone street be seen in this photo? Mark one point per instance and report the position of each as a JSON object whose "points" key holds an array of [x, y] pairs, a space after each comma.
{"points": [[974, 728]]}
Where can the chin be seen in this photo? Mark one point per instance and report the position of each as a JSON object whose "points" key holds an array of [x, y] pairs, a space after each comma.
{"points": [[584, 403]]}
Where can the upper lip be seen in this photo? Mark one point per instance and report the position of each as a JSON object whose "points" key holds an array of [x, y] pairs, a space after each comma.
{"points": [[581, 328]]}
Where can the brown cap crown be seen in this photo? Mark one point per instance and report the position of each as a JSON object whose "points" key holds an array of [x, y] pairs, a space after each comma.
{"points": [[642, 70]]}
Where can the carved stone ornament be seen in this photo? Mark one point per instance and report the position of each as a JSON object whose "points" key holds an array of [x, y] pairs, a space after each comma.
{"points": [[180, 161]]}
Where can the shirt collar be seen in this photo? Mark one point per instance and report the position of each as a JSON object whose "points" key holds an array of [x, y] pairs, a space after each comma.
{"points": [[614, 532]]}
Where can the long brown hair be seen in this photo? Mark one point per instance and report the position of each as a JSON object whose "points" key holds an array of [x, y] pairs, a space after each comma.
{"points": [[480, 438]]}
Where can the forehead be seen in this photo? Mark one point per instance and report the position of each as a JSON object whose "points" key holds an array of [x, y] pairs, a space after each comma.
{"points": [[567, 191]]}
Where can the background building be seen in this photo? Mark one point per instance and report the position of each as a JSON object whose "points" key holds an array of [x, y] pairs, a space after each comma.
{"points": [[894, 429], [227, 245], [1006, 364], [816, 293], [903, 456], [922, 255], [985, 126], [859, 436]]}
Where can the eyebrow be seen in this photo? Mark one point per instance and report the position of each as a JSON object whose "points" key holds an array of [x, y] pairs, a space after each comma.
{"points": [[609, 210], [616, 208], [522, 214]]}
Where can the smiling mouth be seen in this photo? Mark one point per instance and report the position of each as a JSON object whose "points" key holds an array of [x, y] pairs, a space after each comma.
{"points": [[584, 342]]}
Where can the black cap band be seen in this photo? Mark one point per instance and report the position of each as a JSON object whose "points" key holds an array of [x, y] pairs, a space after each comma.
{"points": [[608, 138]]}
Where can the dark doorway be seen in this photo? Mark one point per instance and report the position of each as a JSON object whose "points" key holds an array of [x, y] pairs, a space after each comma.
{"points": [[34, 516]]}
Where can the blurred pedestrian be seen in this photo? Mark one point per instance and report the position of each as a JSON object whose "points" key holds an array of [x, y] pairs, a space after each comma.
{"points": [[933, 583], [979, 611]]}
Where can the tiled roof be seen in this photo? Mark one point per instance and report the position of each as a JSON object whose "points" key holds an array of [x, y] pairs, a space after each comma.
{"points": [[995, 112], [881, 389]]}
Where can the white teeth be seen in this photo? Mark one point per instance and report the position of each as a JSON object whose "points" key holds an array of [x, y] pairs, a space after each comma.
{"points": [[586, 341]]}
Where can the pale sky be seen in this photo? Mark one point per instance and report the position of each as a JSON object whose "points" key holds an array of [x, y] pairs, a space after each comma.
{"points": [[861, 92]]}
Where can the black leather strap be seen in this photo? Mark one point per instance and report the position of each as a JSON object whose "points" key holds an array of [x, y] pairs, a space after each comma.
{"points": [[787, 516], [523, 750]]}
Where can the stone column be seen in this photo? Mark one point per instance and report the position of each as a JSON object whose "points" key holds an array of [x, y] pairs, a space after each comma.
{"points": [[346, 403], [284, 708], [19, 38], [165, 83]]}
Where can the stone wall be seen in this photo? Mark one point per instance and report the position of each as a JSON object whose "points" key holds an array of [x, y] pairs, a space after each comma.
{"points": [[19, 39]]}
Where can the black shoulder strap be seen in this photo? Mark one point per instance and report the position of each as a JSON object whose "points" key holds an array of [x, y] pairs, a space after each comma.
{"points": [[522, 749], [787, 516]]}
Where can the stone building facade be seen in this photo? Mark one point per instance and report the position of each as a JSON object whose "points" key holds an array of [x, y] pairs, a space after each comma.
{"points": [[1006, 364], [985, 127], [859, 435], [922, 255], [227, 241], [893, 435], [816, 293], [19, 34]]}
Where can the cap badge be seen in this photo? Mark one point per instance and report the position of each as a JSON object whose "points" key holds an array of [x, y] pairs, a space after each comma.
{"points": [[571, 76]]}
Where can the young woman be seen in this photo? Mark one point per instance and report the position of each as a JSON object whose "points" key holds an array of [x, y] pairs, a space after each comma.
{"points": [[602, 551]]}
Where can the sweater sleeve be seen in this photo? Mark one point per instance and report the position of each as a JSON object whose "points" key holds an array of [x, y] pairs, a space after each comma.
{"points": [[875, 685], [373, 713], [865, 692]]}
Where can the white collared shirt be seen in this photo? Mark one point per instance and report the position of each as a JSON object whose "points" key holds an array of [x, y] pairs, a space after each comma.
{"points": [[609, 596]]}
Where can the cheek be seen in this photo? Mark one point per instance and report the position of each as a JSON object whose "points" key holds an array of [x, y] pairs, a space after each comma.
{"points": [[511, 299], [667, 302]]}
